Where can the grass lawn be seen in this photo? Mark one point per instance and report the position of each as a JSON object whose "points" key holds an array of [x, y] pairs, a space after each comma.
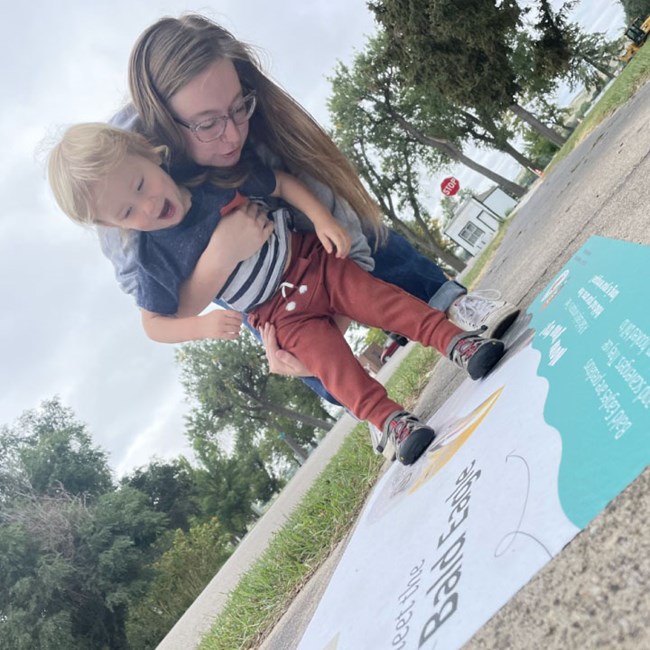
{"points": [[635, 74]]}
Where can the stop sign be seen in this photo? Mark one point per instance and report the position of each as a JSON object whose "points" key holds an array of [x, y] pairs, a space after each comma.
{"points": [[450, 186]]}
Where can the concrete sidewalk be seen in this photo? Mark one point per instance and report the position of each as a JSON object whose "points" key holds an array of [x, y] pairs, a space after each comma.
{"points": [[196, 621]]}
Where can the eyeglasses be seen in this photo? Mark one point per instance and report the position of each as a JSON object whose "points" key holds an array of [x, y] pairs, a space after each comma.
{"points": [[214, 127]]}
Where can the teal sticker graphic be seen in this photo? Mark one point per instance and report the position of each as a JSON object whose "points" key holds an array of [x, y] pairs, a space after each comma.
{"points": [[592, 328]]}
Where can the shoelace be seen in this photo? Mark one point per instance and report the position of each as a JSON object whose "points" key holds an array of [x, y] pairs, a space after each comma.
{"points": [[477, 302], [291, 304], [466, 348], [401, 429], [488, 294]]}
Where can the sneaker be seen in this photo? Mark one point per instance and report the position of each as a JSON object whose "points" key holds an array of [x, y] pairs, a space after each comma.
{"points": [[409, 435], [475, 310], [381, 443], [475, 354]]}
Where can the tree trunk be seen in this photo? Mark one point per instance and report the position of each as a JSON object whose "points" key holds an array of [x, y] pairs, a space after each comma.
{"points": [[262, 404], [492, 140], [454, 153], [300, 454], [601, 68], [538, 126], [523, 160], [508, 186], [383, 197], [309, 420]]}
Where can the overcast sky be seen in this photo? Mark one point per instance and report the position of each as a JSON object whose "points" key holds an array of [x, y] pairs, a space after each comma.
{"points": [[65, 326]]}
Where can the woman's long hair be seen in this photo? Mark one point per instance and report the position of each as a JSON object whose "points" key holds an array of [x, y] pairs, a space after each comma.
{"points": [[173, 51]]}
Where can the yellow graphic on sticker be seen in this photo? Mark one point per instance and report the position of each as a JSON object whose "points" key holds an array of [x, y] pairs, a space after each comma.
{"points": [[451, 440], [407, 479]]}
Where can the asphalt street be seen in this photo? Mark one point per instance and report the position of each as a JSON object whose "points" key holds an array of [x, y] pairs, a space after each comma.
{"points": [[595, 593]]}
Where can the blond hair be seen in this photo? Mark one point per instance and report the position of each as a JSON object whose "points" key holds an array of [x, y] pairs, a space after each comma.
{"points": [[173, 51], [83, 157]]}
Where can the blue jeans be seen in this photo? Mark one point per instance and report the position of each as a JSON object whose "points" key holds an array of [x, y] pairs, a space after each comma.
{"points": [[399, 263]]}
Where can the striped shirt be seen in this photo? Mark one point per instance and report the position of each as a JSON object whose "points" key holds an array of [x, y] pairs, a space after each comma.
{"points": [[257, 278], [166, 258]]}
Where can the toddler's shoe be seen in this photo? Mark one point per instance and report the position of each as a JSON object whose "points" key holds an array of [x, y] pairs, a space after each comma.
{"points": [[409, 436], [381, 443], [475, 354]]}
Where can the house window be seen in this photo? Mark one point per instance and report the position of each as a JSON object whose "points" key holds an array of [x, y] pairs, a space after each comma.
{"points": [[471, 233]]}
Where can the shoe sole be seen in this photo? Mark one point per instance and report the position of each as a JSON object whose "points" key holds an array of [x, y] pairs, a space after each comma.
{"points": [[502, 326], [485, 358], [415, 445]]}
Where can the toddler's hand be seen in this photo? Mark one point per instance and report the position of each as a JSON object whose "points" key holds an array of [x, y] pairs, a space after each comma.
{"points": [[221, 324], [241, 233], [333, 236]]}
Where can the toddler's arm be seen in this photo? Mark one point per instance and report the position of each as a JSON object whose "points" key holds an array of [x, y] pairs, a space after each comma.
{"points": [[330, 233], [238, 235], [216, 324]]}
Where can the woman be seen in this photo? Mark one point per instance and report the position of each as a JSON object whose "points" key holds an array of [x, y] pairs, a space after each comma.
{"points": [[178, 99]]}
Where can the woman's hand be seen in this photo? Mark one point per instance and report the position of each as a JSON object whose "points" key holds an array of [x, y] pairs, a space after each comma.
{"points": [[280, 361]]}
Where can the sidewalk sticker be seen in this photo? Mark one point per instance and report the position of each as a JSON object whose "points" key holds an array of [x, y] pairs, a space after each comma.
{"points": [[522, 461]]}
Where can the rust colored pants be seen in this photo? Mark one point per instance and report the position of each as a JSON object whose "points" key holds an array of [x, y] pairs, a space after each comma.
{"points": [[304, 325]]}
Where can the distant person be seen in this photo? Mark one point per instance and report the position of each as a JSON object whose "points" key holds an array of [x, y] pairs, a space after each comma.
{"points": [[101, 174]]}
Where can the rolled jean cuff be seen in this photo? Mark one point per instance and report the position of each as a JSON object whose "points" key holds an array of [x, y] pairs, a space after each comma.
{"points": [[447, 293]]}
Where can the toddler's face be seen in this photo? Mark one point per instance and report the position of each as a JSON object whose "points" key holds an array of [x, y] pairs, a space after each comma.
{"points": [[139, 195]]}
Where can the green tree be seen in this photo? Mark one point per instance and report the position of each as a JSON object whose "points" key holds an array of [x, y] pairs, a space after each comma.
{"points": [[238, 411], [30, 579], [229, 484], [541, 148], [232, 390], [72, 568], [170, 488], [374, 106], [48, 449], [392, 177], [465, 55], [636, 9], [551, 47], [180, 575], [591, 58], [594, 58]]}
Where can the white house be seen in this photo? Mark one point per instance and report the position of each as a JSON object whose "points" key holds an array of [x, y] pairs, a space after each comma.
{"points": [[477, 218]]}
